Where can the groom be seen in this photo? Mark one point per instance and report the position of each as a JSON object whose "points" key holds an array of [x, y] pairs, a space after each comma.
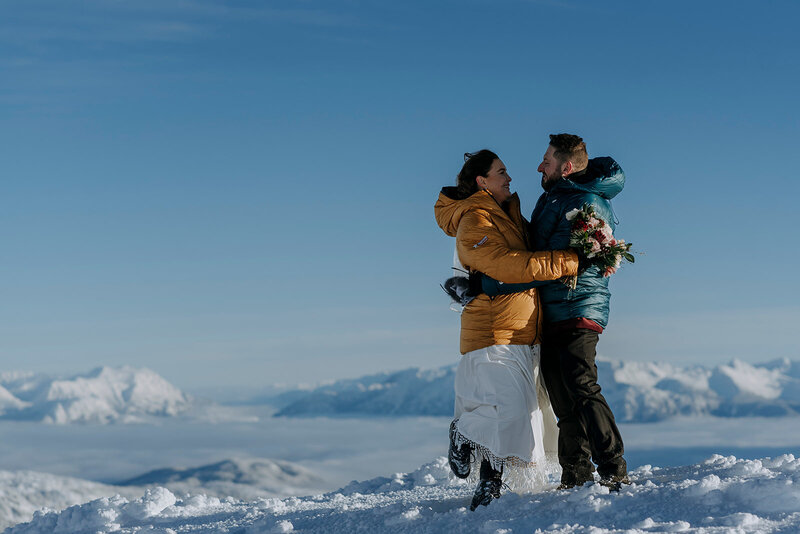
{"points": [[575, 318]]}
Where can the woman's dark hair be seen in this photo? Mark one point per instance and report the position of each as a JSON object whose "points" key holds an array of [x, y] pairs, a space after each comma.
{"points": [[475, 164]]}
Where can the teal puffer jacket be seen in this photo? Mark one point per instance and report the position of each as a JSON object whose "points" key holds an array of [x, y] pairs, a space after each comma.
{"points": [[550, 230]]}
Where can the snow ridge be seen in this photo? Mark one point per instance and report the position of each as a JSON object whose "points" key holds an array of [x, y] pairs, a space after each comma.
{"points": [[723, 494], [241, 478], [636, 391], [104, 395]]}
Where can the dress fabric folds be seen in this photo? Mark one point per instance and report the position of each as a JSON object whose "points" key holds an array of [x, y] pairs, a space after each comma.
{"points": [[502, 409]]}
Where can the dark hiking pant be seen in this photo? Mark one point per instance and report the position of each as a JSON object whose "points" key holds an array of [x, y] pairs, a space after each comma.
{"points": [[586, 425]]}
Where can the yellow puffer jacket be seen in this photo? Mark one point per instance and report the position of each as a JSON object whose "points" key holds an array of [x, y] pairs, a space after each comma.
{"points": [[494, 242]]}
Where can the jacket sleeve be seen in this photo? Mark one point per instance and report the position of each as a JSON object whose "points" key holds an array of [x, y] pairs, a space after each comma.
{"points": [[482, 247], [493, 287]]}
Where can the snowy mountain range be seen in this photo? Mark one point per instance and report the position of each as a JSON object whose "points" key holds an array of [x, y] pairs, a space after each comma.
{"points": [[104, 395], [636, 391], [408, 392]]}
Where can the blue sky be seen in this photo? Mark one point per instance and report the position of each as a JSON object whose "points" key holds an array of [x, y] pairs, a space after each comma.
{"points": [[241, 193]]}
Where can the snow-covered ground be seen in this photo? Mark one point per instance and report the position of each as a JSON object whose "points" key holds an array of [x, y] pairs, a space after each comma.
{"points": [[720, 495], [24, 492]]}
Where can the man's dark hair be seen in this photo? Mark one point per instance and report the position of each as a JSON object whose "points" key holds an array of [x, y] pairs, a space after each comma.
{"points": [[570, 147], [475, 164]]}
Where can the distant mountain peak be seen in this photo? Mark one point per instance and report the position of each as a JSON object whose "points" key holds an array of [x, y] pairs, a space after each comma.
{"points": [[103, 395]]}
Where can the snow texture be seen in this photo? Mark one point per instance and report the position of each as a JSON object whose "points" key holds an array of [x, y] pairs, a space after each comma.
{"points": [[105, 395], [720, 495], [22, 493], [636, 391]]}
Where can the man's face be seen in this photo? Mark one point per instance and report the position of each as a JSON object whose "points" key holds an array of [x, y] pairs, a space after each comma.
{"points": [[551, 168]]}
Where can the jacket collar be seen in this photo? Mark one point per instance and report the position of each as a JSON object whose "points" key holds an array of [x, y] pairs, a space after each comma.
{"points": [[602, 177], [449, 208]]}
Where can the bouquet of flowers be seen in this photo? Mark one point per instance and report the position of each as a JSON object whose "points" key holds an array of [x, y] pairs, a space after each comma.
{"points": [[593, 238]]}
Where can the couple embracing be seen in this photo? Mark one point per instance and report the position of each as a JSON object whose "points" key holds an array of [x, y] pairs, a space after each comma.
{"points": [[527, 338]]}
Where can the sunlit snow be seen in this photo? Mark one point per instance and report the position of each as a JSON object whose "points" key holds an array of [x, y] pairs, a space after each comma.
{"points": [[722, 494]]}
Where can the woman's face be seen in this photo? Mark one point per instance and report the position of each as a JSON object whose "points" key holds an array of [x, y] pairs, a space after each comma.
{"points": [[497, 181]]}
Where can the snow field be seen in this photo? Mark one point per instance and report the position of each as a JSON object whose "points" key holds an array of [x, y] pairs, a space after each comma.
{"points": [[720, 495]]}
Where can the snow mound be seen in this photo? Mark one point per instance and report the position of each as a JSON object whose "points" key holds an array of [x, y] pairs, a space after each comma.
{"points": [[24, 492], [104, 395], [242, 478], [636, 391], [722, 494]]}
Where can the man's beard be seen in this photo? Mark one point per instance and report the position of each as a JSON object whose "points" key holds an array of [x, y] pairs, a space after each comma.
{"points": [[549, 181]]}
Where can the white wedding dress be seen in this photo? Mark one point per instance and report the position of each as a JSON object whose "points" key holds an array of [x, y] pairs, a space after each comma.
{"points": [[503, 412]]}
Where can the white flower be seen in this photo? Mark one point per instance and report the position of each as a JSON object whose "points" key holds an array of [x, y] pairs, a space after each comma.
{"points": [[571, 214], [607, 233]]}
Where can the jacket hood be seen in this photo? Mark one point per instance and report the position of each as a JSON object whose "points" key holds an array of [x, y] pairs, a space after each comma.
{"points": [[449, 207], [603, 177]]}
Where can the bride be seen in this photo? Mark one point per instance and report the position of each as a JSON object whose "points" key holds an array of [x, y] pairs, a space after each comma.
{"points": [[501, 408]]}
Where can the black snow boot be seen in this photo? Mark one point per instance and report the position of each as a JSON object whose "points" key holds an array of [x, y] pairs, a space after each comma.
{"points": [[576, 475], [458, 457], [614, 482], [614, 474], [488, 488]]}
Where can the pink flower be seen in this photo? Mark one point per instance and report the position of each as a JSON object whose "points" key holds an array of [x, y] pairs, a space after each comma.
{"points": [[594, 237]]}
